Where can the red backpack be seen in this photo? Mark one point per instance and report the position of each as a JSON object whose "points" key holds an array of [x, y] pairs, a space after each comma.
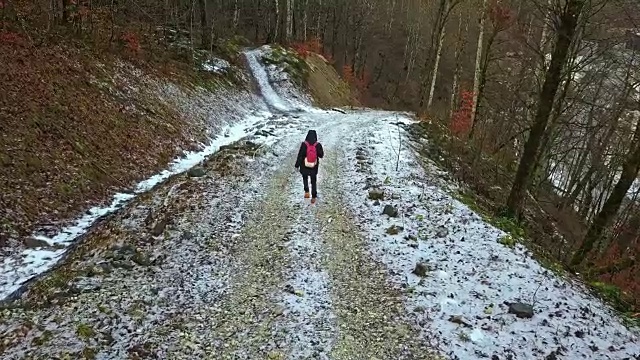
{"points": [[311, 159]]}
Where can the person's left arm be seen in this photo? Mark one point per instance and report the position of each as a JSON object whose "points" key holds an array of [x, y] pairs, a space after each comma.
{"points": [[320, 151]]}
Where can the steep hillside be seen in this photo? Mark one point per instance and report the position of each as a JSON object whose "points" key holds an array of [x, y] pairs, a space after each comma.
{"points": [[293, 70], [326, 86], [78, 126]]}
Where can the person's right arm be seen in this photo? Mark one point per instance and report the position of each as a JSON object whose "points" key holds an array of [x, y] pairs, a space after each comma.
{"points": [[300, 157]]}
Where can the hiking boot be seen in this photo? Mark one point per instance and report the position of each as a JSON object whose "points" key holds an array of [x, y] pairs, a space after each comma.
{"points": [[307, 195], [313, 201]]}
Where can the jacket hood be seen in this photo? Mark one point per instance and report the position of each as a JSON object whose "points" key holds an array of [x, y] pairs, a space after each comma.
{"points": [[312, 137]]}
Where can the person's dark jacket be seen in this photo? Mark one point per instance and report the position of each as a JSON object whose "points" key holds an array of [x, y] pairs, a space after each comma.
{"points": [[311, 138]]}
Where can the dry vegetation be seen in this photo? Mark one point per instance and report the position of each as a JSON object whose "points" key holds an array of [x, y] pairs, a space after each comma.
{"points": [[325, 85]]}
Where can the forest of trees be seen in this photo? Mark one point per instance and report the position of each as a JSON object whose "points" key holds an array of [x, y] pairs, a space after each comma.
{"points": [[547, 87]]}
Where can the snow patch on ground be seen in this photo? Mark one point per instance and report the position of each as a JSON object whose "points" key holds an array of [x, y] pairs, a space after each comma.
{"points": [[228, 116], [307, 297], [260, 74], [470, 275], [216, 65], [286, 95], [189, 273]]}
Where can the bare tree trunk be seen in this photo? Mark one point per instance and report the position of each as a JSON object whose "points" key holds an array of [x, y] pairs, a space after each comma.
{"points": [[53, 13], [478, 68], [479, 92], [305, 20], [204, 26], [555, 117], [444, 9], [65, 11], [236, 15], [319, 21], [460, 43], [90, 16], [112, 9], [566, 32], [334, 34], [277, 25], [191, 17], [289, 22], [608, 212], [412, 44], [541, 64], [436, 64]]}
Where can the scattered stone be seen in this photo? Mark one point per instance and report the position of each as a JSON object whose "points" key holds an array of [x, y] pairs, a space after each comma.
{"points": [[83, 285], [361, 157], [421, 269], [148, 220], [390, 211], [458, 319], [123, 264], [95, 271], [442, 231], [141, 259], [48, 230], [523, 311], [140, 351], [34, 243], [106, 267], [265, 133], [394, 230], [275, 355], [376, 203], [186, 235], [158, 260], [376, 194], [196, 171], [552, 356], [127, 249], [158, 229], [278, 310]]}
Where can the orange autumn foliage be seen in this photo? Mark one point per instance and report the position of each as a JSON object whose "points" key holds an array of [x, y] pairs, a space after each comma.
{"points": [[313, 45], [461, 118], [131, 42]]}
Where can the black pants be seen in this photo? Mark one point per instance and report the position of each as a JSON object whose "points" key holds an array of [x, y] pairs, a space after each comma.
{"points": [[305, 181]]}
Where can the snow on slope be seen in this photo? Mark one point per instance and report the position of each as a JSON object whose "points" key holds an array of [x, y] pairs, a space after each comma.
{"points": [[470, 275], [262, 78], [286, 96], [226, 115]]}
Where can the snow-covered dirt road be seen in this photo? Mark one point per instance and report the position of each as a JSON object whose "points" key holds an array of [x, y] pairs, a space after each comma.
{"points": [[233, 263]]}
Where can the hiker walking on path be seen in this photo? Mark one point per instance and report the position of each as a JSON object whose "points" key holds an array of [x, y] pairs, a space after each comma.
{"points": [[308, 160]]}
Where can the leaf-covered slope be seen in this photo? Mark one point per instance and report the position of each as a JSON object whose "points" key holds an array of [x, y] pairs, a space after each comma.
{"points": [[74, 128]]}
